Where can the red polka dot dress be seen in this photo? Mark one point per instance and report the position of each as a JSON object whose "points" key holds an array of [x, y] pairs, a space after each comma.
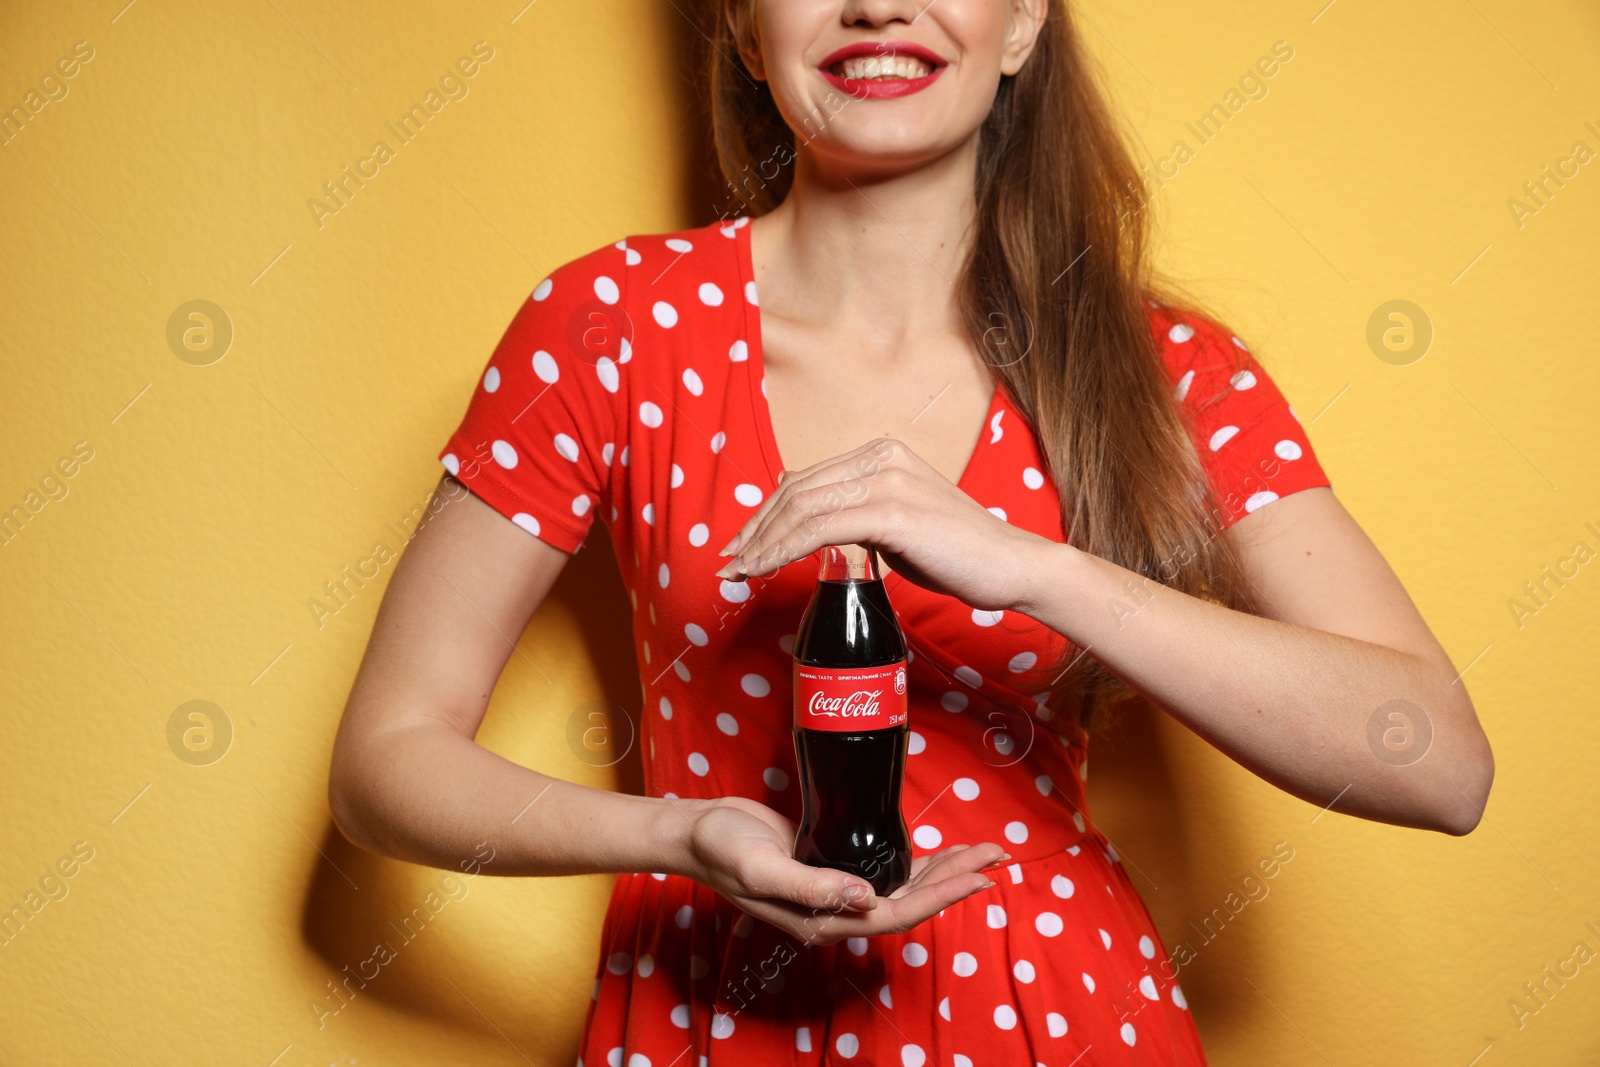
{"points": [[629, 385]]}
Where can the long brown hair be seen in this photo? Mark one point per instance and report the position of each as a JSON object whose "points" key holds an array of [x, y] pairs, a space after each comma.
{"points": [[1054, 294]]}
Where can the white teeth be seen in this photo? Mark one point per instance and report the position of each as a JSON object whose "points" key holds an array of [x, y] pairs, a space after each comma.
{"points": [[885, 67]]}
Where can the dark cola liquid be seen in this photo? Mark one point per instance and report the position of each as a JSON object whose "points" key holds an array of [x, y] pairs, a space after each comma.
{"points": [[850, 781]]}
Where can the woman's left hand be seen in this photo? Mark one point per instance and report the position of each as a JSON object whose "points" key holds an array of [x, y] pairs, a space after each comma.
{"points": [[884, 495]]}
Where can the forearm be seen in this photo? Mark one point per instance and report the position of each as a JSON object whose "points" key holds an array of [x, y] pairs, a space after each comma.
{"points": [[428, 795], [1290, 703]]}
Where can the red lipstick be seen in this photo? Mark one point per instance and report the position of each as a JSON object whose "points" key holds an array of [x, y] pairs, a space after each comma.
{"points": [[873, 89]]}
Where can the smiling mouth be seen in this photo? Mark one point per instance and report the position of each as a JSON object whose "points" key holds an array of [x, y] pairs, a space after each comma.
{"points": [[881, 68]]}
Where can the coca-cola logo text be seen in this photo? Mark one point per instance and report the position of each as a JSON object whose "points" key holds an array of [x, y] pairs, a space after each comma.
{"points": [[860, 704]]}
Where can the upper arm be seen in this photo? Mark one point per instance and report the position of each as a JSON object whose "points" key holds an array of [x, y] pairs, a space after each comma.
{"points": [[1310, 563], [462, 591]]}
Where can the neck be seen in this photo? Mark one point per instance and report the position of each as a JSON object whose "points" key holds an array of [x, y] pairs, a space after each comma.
{"points": [[880, 251]]}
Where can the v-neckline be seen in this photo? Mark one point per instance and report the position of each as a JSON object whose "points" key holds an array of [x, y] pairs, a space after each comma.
{"points": [[757, 374]]}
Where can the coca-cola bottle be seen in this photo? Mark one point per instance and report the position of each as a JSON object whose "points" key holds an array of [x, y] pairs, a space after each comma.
{"points": [[850, 727]]}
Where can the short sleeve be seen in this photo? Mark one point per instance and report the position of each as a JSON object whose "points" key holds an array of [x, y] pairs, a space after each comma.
{"points": [[537, 438], [1251, 445]]}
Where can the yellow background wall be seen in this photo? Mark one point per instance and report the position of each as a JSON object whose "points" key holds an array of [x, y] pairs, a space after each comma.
{"points": [[217, 499]]}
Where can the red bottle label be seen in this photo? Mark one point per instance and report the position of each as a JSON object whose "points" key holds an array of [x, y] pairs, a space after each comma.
{"points": [[849, 698]]}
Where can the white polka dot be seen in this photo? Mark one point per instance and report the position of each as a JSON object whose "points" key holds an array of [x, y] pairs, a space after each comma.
{"points": [[1023, 971], [1088, 982], [619, 963], [1043, 784], [607, 450], [727, 724], [1048, 923], [1077, 821], [680, 1016], [1022, 661], [944, 1011], [606, 371], [1181, 332], [739, 352], [606, 290], [970, 676], [995, 916], [734, 592], [1016, 832], [1223, 436], [504, 454], [1005, 1017], [624, 350], [986, 618], [1258, 499], [1061, 886], [527, 522], [914, 954], [1179, 999], [1032, 478], [747, 494], [1147, 948], [542, 290], [491, 379], [544, 366], [846, 1045], [691, 382], [912, 1056], [1147, 986], [695, 634], [566, 448], [802, 1038], [680, 670], [665, 314], [1128, 1036], [755, 685], [717, 441], [638, 1059], [915, 743], [1105, 939], [678, 244], [927, 836], [1244, 379], [663, 575], [721, 1025], [750, 292], [710, 295], [648, 513], [649, 414], [647, 962], [699, 534], [1184, 383], [699, 764], [580, 505], [965, 964], [965, 788], [451, 463], [1287, 450], [683, 917], [953, 701], [856, 945], [677, 476], [776, 778], [999, 513], [1057, 1024], [786, 643], [623, 459]]}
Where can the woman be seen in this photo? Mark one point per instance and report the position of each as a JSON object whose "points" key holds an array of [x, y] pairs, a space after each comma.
{"points": [[928, 329]]}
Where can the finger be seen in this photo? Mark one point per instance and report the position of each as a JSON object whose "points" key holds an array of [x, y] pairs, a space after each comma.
{"points": [[927, 900], [810, 520], [960, 860], [789, 481]]}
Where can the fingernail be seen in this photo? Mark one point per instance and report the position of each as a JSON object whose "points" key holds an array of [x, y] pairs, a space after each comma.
{"points": [[989, 885], [860, 898]]}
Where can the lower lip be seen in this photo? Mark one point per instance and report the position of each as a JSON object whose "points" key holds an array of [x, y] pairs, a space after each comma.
{"points": [[869, 89]]}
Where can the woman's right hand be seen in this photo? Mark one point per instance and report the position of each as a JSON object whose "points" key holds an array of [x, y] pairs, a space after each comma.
{"points": [[744, 850]]}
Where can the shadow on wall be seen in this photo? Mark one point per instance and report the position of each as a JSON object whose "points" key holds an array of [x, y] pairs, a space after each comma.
{"points": [[1174, 852]]}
